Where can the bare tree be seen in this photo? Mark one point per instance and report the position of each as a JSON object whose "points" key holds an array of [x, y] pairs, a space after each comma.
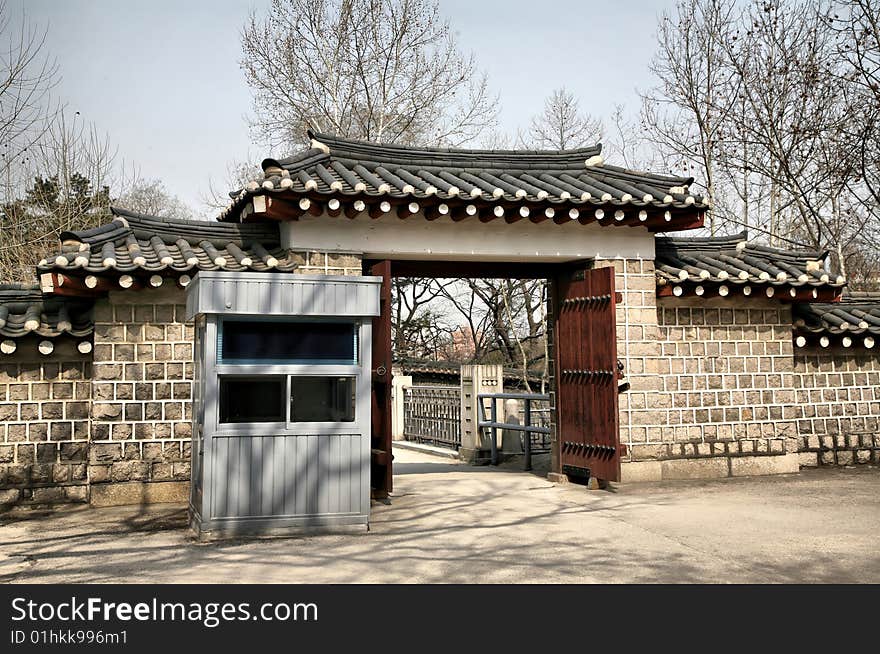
{"points": [[27, 75], [380, 70], [773, 105], [627, 145], [562, 125], [70, 171], [150, 197], [686, 111]]}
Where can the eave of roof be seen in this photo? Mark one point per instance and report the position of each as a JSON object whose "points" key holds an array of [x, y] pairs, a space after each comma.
{"points": [[730, 266], [144, 250], [509, 184], [853, 321], [25, 311]]}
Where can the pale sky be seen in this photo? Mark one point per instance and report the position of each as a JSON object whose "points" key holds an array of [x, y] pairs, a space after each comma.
{"points": [[162, 79]]}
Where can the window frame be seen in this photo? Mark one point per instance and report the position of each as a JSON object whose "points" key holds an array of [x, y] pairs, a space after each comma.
{"points": [[355, 370], [221, 325]]}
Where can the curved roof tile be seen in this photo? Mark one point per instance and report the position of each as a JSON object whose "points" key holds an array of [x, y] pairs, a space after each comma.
{"points": [[135, 242], [25, 310], [731, 260], [856, 313], [334, 165]]}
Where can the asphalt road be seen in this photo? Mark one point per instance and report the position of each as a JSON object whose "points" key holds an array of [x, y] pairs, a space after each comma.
{"points": [[453, 523]]}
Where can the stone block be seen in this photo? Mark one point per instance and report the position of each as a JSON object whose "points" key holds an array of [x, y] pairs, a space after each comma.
{"points": [[105, 452], [108, 371], [77, 410], [29, 411], [46, 453], [808, 459], [123, 352], [48, 495], [8, 412], [636, 471], [98, 474], [76, 493], [25, 453], [7, 453], [183, 430], [73, 451], [10, 496], [60, 473], [103, 391], [828, 458], [162, 471], [139, 493], [648, 452], [152, 451], [708, 468], [863, 456], [40, 392], [41, 473], [38, 431], [162, 430], [16, 475], [747, 466], [844, 458], [106, 411], [62, 431], [134, 411], [182, 390], [124, 391]]}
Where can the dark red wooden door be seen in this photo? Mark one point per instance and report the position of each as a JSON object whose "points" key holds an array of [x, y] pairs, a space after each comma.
{"points": [[380, 443], [585, 334]]}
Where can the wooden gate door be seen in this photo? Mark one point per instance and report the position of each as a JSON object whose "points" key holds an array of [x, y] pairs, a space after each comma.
{"points": [[585, 335], [380, 442]]}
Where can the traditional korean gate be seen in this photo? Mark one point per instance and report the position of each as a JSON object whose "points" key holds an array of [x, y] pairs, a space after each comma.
{"points": [[586, 375]]}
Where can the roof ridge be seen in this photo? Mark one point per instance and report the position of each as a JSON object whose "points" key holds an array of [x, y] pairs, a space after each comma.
{"points": [[668, 242]]}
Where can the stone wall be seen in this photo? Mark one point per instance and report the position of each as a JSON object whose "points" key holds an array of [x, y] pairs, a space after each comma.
{"points": [[712, 387], [44, 424], [838, 394], [142, 387], [327, 263]]}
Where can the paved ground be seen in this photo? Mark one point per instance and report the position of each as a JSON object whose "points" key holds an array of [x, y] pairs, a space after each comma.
{"points": [[451, 523]]}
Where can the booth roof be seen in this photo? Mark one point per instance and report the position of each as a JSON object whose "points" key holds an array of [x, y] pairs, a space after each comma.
{"points": [[134, 242], [566, 178], [693, 266], [25, 310]]}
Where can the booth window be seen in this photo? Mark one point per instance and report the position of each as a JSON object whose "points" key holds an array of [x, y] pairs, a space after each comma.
{"points": [[322, 399], [252, 399], [261, 399], [297, 342]]}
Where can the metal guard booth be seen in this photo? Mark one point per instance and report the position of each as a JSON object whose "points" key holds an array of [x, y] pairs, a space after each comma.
{"points": [[281, 406]]}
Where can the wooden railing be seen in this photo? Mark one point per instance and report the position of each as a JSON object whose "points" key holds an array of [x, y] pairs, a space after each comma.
{"points": [[432, 414]]}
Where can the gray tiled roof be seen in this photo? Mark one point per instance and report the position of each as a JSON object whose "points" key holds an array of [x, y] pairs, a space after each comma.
{"points": [[689, 264], [25, 310], [576, 178], [856, 313], [132, 242]]}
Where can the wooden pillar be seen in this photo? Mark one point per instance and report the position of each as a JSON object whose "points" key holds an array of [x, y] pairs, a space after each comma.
{"points": [[380, 468]]}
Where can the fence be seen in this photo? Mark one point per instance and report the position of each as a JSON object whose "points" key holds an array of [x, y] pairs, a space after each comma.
{"points": [[526, 427], [432, 414]]}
